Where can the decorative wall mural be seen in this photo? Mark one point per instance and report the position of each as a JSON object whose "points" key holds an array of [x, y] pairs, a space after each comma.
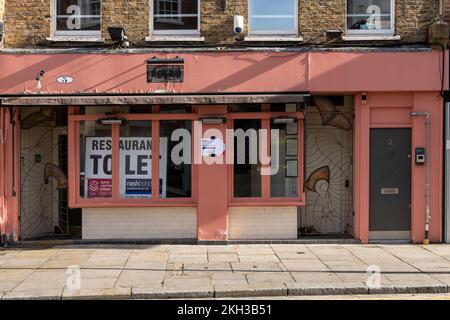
{"points": [[330, 115], [329, 184], [40, 178]]}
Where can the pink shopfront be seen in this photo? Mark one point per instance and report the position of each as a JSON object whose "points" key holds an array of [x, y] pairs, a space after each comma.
{"points": [[79, 131]]}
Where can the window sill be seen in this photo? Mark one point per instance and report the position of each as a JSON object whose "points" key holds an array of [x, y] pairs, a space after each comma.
{"points": [[75, 39], [370, 38], [174, 38], [255, 38]]}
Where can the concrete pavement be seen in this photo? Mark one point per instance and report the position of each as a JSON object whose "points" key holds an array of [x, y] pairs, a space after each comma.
{"points": [[195, 271]]}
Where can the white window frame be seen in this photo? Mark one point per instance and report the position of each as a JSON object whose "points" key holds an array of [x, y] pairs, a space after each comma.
{"points": [[293, 32], [74, 33], [193, 32], [365, 32]]}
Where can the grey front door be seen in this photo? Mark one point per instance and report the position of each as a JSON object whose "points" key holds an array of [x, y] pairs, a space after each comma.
{"points": [[390, 184]]}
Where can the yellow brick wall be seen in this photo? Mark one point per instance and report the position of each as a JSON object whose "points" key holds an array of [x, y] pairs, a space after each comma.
{"points": [[28, 22], [2, 8]]}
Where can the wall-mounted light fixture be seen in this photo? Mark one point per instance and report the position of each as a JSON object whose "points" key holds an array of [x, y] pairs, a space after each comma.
{"points": [[111, 120], [117, 34], [283, 120], [213, 120]]}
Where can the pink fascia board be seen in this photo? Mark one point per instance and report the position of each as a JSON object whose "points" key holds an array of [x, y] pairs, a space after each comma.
{"points": [[119, 73]]}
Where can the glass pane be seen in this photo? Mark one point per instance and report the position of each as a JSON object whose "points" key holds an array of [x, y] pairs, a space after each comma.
{"points": [[83, 24], [95, 160], [272, 24], [175, 14], [269, 15], [285, 182], [70, 15], [182, 23], [175, 159], [369, 14], [135, 160], [247, 174]]}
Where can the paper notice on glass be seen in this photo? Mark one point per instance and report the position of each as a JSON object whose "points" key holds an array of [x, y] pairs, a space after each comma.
{"points": [[212, 147]]}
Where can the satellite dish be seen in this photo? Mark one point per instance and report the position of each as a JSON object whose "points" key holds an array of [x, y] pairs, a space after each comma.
{"points": [[36, 118]]}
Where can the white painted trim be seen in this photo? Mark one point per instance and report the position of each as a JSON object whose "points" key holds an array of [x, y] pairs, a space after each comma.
{"points": [[73, 38], [371, 38], [174, 38], [272, 32], [274, 38], [167, 33], [390, 32]]}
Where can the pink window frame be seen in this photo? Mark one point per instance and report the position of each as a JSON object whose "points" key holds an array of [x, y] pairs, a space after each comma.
{"points": [[76, 201], [266, 200]]}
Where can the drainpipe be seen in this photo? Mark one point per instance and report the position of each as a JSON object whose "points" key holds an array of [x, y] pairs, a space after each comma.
{"points": [[427, 164]]}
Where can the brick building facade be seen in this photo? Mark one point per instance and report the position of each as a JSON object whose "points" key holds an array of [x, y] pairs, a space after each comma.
{"points": [[29, 23]]}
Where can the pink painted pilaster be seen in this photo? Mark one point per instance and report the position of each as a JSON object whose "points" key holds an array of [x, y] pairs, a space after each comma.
{"points": [[212, 214], [362, 171], [432, 103]]}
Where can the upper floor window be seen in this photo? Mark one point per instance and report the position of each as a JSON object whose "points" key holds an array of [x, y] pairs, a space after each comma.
{"points": [[268, 17], [176, 17], [77, 17], [370, 17]]}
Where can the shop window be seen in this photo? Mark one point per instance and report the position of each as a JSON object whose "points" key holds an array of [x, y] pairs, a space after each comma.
{"points": [[176, 17], [95, 160], [77, 18], [268, 17], [370, 17], [247, 169], [245, 108], [175, 162], [285, 182], [135, 147]]}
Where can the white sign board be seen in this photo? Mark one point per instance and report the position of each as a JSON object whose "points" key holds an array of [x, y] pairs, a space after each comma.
{"points": [[135, 167], [212, 147]]}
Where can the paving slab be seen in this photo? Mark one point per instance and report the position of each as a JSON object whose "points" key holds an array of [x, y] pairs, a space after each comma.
{"points": [[187, 258], [223, 257], [139, 278], [36, 294], [258, 258], [248, 267]]}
